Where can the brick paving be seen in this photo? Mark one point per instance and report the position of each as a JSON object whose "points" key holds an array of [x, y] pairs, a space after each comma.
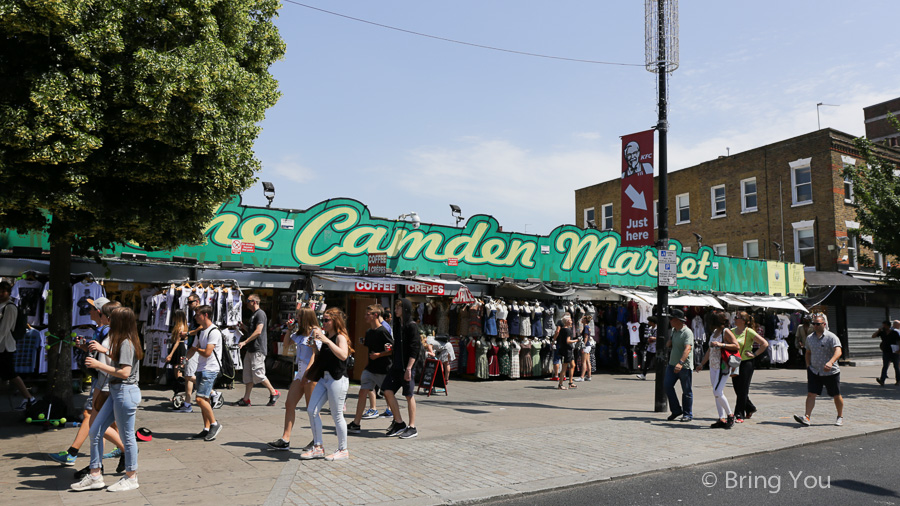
{"points": [[486, 439]]}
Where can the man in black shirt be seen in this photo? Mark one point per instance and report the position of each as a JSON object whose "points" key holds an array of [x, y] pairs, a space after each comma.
{"points": [[407, 343], [890, 337], [379, 342], [256, 346]]}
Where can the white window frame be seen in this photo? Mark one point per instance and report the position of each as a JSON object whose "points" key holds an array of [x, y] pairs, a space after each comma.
{"points": [[604, 217], [655, 214], [586, 211], [714, 214], [852, 252], [798, 227], [747, 248], [744, 207], [723, 247], [848, 184], [797, 165], [678, 208]]}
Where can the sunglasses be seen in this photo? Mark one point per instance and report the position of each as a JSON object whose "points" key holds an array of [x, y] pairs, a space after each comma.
{"points": [[324, 320], [818, 323]]}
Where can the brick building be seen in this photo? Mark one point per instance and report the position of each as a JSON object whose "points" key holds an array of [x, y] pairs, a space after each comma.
{"points": [[878, 127], [784, 201]]}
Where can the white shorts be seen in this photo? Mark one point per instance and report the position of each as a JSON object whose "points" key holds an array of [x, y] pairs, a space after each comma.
{"points": [[586, 349], [190, 368], [301, 370]]}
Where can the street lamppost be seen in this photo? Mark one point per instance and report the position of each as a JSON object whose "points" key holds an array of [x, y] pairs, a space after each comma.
{"points": [[661, 57]]}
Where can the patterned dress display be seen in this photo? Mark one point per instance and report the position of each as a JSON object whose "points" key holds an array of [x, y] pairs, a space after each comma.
{"points": [[525, 323], [547, 357], [494, 361], [505, 358], [537, 324], [526, 364], [514, 349], [475, 318], [502, 329], [481, 368], [536, 369]]}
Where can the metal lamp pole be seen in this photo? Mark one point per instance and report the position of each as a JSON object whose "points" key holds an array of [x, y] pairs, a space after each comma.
{"points": [[661, 57]]}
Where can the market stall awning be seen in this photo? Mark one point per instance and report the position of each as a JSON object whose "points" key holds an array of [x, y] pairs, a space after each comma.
{"points": [[830, 278], [675, 299], [788, 303]]}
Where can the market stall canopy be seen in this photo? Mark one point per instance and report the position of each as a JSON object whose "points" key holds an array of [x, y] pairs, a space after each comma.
{"points": [[829, 278], [675, 299], [787, 303]]}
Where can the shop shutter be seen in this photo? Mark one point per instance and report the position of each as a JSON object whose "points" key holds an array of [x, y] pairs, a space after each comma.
{"points": [[861, 323], [894, 313]]}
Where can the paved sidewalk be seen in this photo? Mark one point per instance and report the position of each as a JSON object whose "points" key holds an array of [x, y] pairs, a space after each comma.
{"points": [[486, 439]]}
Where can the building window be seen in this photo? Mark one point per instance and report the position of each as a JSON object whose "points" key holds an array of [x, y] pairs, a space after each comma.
{"points": [[751, 249], [655, 214], [721, 249], [852, 251], [801, 181], [683, 208], [589, 217], [717, 198], [848, 184], [607, 222], [804, 244], [748, 195]]}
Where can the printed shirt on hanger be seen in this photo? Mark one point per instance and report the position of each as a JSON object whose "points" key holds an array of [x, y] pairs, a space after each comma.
{"points": [[81, 308], [26, 294]]}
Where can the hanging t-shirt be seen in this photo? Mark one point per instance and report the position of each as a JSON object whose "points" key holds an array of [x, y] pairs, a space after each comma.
{"points": [[81, 308], [27, 296], [146, 294], [634, 334], [221, 315], [183, 293], [45, 295], [234, 308]]}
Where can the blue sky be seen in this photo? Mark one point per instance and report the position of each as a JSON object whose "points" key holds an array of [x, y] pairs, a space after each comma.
{"points": [[407, 123]]}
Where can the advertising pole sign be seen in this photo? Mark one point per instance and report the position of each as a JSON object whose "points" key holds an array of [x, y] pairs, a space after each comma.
{"points": [[637, 189]]}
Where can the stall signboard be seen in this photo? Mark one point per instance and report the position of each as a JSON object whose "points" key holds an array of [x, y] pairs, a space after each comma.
{"points": [[375, 287], [377, 263], [464, 296], [342, 232], [426, 289]]}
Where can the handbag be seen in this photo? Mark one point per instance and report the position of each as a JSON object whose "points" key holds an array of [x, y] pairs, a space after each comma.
{"points": [[730, 360]]}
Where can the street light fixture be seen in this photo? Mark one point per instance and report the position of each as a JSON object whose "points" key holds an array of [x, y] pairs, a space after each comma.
{"points": [[269, 192], [818, 120], [699, 240], [456, 212], [779, 251]]}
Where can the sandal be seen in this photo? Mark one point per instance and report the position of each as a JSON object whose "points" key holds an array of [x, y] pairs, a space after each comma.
{"points": [[573, 385], [561, 387]]}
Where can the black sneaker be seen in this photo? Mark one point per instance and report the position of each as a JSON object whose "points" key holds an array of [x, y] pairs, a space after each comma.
{"points": [[719, 424], [353, 428], [121, 466], [409, 433], [81, 473], [308, 447], [672, 417], [396, 429], [200, 435], [273, 399], [279, 444], [214, 431]]}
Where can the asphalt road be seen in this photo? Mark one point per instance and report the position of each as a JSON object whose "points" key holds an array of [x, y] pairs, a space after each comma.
{"points": [[856, 471]]}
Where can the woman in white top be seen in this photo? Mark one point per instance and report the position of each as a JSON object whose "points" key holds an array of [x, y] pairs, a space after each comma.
{"points": [[588, 342], [306, 322], [721, 338]]}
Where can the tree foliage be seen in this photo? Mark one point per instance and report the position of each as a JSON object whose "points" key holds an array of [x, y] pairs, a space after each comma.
{"points": [[130, 120], [876, 191]]}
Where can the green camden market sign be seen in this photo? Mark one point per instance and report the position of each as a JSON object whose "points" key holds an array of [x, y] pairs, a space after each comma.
{"points": [[341, 232]]}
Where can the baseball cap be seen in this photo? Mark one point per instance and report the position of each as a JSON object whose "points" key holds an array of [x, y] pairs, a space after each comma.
{"points": [[144, 434], [98, 303]]}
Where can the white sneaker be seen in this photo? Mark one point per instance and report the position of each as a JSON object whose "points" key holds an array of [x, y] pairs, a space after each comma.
{"points": [[124, 485], [579, 379], [641, 376], [89, 483], [839, 421]]}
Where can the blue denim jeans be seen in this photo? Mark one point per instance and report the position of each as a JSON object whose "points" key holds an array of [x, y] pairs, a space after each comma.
{"points": [[335, 392], [687, 394], [122, 406]]}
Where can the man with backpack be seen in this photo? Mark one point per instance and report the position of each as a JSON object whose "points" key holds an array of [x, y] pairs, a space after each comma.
{"points": [[208, 345], [10, 326]]}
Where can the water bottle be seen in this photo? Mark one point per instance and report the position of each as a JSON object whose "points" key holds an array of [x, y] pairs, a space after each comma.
{"points": [[73, 424]]}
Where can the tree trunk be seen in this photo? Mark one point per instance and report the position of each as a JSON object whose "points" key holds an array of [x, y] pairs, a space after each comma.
{"points": [[59, 356]]}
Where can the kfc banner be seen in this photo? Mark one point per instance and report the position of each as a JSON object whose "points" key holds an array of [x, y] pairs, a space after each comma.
{"points": [[637, 189]]}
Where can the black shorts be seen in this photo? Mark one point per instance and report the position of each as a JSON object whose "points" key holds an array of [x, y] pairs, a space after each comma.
{"points": [[570, 356], [394, 381], [7, 365], [832, 383]]}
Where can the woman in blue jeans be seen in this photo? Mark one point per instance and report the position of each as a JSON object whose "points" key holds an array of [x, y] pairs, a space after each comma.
{"points": [[124, 397], [329, 370]]}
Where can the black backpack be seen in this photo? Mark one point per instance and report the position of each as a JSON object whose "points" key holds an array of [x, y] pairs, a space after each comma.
{"points": [[21, 326], [226, 365]]}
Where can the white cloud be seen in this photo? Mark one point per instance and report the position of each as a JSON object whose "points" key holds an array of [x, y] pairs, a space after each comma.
{"points": [[289, 167]]}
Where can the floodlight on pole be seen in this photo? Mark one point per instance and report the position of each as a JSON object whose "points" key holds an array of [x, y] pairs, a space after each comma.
{"points": [[818, 119], [269, 192]]}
